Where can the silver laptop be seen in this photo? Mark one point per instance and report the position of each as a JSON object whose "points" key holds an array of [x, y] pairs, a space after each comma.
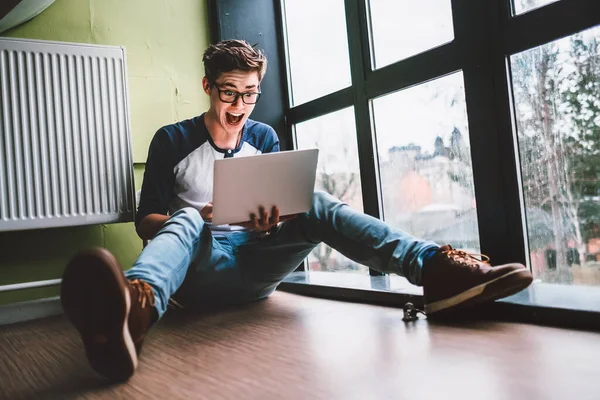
{"points": [[285, 179]]}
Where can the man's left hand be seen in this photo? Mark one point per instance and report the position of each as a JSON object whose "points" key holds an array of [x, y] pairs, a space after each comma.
{"points": [[263, 222]]}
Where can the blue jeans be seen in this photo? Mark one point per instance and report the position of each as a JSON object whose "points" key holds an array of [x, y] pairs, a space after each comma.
{"points": [[199, 267]]}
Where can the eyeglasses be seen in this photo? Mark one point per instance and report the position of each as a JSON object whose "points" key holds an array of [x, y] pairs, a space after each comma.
{"points": [[231, 96]]}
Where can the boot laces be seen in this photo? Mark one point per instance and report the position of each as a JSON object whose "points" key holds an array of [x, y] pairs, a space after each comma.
{"points": [[468, 259], [145, 292]]}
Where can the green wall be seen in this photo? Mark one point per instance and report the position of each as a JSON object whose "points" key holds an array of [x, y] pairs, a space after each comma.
{"points": [[164, 40]]}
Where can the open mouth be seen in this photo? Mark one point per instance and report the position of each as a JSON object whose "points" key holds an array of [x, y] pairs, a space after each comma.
{"points": [[234, 118]]}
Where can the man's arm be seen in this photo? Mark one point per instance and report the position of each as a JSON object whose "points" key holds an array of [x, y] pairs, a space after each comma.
{"points": [[157, 187], [150, 225]]}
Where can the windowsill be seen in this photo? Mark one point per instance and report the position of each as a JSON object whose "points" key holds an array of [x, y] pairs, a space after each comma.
{"points": [[543, 303], [552, 295], [388, 283]]}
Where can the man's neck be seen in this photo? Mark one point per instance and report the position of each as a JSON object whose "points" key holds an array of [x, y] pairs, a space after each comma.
{"points": [[221, 138]]}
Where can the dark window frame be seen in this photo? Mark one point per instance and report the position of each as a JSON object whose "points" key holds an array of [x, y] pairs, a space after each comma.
{"points": [[486, 34]]}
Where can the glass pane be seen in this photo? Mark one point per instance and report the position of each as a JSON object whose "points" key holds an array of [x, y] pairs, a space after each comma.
{"points": [[557, 104], [522, 6], [337, 173], [403, 28], [425, 162], [317, 42]]}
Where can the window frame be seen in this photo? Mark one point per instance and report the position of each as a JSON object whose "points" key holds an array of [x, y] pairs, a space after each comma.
{"points": [[486, 34]]}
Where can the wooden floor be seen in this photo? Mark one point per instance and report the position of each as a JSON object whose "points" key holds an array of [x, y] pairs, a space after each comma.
{"points": [[294, 347]]}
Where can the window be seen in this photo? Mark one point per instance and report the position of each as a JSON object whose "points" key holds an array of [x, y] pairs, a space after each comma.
{"points": [[557, 95], [523, 6], [425, 162], [444, 151], [317, 45], [403, 28], [337, 174]]}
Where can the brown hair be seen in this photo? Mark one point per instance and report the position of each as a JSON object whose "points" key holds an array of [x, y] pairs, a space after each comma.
{"points": [[230, 55]]}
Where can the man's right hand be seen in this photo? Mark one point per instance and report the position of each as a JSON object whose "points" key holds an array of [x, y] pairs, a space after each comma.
{"points": [[207, 212]]}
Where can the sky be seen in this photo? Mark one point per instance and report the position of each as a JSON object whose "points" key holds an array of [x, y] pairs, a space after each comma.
{"points": [[318, 53]]}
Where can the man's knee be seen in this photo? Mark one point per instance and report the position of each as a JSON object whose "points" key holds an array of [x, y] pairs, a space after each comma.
{"points": [[323, 202], [321, 198], [189, 220]]}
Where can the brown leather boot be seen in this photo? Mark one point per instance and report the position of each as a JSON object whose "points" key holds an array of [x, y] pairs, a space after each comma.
{"points": [[455, 278], [111, 313]]}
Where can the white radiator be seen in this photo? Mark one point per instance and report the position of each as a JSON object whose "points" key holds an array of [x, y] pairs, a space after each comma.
{"points": [[65, 148]]}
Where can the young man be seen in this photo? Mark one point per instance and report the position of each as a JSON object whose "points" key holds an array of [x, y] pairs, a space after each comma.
{"points": [[193, 264]]}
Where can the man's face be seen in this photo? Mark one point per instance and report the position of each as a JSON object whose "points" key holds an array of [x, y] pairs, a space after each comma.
{"points": [[231, 116]]}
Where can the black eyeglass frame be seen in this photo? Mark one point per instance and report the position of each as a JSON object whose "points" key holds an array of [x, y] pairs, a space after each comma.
{"points": [[237, 95]]}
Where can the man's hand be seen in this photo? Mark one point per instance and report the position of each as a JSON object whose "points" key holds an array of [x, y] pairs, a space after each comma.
{"points": [[263, 222], [207, 212]]}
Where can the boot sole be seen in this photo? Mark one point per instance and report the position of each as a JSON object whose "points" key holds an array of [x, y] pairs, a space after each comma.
{"points": [[97, 302], [503, 286]]}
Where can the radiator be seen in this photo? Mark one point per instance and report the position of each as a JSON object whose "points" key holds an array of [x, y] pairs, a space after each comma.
{"points": [[65, 147]]}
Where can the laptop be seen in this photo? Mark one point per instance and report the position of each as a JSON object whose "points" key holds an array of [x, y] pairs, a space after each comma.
{"points": [[284, 179]]}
